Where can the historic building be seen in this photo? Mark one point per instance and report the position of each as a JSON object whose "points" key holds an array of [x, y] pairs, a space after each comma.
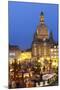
{"points": [[14, 53], [43, 45]]}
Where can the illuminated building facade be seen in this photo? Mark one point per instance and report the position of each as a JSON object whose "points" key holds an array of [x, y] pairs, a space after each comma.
{"points": [[43, 45], [14, 53]]}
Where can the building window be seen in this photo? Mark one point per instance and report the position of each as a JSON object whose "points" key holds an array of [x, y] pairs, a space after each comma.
{"points": [[55, 53], [52, 56], [54, 46], [51, 50], [44, 39]]}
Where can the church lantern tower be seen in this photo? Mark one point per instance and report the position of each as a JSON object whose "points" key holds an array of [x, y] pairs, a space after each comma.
{"points": [[42, 18]]}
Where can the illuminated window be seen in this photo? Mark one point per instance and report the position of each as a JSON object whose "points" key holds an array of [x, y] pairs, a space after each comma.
{"points": [[42, 58], [52, 56], [51, 50], [44, 39], [54, 46]]}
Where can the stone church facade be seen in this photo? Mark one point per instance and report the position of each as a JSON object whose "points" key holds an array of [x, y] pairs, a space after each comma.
{"points": [[43, 41]]}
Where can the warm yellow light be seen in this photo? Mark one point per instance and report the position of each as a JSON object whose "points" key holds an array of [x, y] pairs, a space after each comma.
{"points": [[48, 58], [25, 55], [42, 58], [54, 64], [52, 56], [11, 60], [19, 60], [39, 61], [51, 50], [11, 70], [26, 74], [54, 46]]}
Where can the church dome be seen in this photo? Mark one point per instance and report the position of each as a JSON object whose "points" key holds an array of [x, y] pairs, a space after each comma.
{"points": [[42, 30]]}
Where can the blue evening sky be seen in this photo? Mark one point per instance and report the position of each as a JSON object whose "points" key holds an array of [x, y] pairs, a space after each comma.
{"points": [[24, 18]]}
